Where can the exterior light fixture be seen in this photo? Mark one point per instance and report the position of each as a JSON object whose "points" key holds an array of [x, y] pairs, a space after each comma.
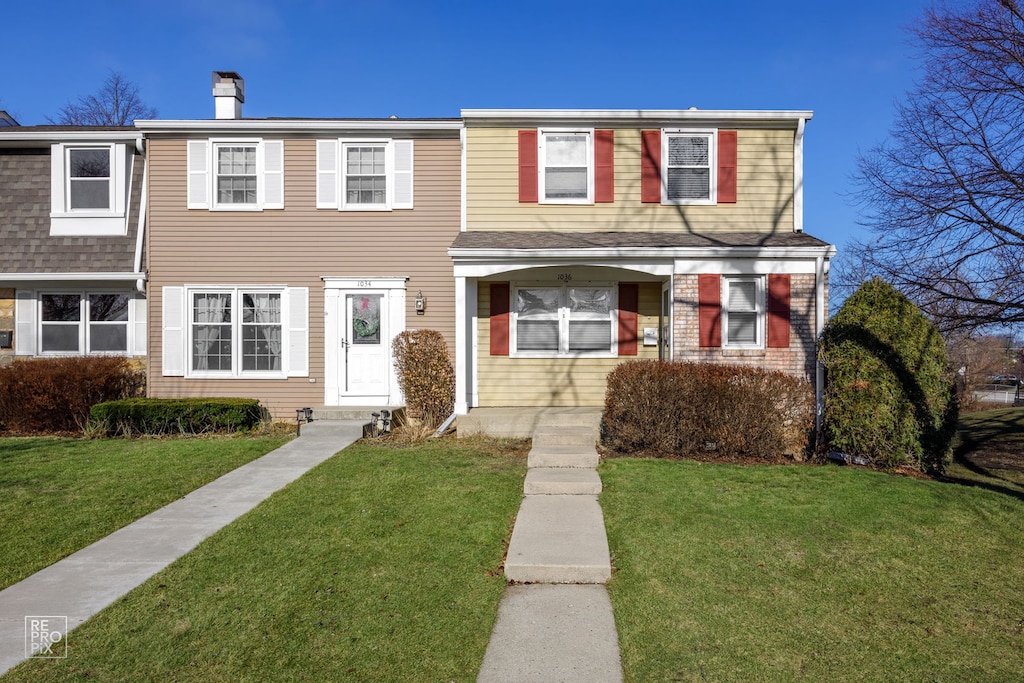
{"points": [[302, 415], [421, 303]]}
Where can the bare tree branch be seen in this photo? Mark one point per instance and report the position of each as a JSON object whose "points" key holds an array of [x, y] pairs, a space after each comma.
{"points": [[116, 104], [944, 197]]}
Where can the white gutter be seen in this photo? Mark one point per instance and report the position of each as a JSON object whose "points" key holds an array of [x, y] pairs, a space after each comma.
{"points": [[821, 268], [60, 135], [462, 181], [140, 284], [798, 177], [662, 253], [71, 277], [783, 118], [297, 126]]}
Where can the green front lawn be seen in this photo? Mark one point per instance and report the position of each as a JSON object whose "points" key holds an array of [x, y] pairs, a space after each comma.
{"points": [[59, 495], [990, 450], [728, 573], [381, 564]]}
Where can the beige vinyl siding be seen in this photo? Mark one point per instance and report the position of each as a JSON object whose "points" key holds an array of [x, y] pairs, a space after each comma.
{"points": [[764, 190], [507, 381], [297, 246]]}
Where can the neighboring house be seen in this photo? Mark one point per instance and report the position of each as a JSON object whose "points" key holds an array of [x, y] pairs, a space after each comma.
{"points": [[72, 275], [594, 237], [286, 254]]}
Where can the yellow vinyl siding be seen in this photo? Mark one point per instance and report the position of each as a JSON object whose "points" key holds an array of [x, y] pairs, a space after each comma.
{"points": [[508, 381], [297, 246], [764, 190]]}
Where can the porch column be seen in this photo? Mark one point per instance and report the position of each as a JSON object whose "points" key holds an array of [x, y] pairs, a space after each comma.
{"points": [[465, 331]]}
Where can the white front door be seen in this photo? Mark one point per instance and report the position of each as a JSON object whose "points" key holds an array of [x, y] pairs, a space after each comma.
{"points": [[362, 318]]}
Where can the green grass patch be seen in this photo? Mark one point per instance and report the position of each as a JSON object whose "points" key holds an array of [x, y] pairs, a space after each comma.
{"points": [[381, 564], [728, 573], [59, 495], [990, 450]]}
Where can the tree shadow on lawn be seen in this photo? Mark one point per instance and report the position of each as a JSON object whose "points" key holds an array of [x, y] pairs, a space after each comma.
{"points": [[991, 446]]}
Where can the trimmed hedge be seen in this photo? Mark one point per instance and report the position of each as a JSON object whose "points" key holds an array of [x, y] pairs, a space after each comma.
{"points": [[890, 394], [176, 416], [53, 395], [706, 410]]}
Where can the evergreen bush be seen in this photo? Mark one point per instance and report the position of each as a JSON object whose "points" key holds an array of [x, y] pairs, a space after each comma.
{"points": [[890, 395], [160, 416], [426, 375]]}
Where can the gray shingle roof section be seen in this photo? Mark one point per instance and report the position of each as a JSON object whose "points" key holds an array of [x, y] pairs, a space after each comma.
{"points": [[626, 240], [25, 242]]}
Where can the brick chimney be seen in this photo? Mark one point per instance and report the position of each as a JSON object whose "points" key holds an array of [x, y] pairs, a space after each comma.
{"points": [[228, 94]]}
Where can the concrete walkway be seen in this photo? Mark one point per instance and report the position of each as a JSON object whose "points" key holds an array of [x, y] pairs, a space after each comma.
{"points": [[558, 624], [84, 583]]}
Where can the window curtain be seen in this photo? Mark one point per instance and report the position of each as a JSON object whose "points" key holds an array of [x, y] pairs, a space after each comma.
{"points": [[212, 317], [267, 310]]}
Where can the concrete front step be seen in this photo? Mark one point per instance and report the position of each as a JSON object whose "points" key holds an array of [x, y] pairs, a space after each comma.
{"points": [[559, 539], [562, 456], [564, 436], [520, 423], [354, 412], [548, 481]]}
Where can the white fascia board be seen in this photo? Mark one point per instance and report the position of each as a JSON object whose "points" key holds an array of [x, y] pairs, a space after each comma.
{"points": [[311, 126], [485, 268], [16, 138], [659, 253], [71, 277], [723, 117]]}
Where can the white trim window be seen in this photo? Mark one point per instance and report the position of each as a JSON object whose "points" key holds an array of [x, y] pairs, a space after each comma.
{"points": [[743, 312], [81, 323], [259, 332], [564, 320], [689, 167], [235, 174], [364, 174], [566, 165], [89, 188]]}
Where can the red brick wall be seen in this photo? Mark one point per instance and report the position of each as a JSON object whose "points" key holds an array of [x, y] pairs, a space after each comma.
{"points": [[797, 360]]}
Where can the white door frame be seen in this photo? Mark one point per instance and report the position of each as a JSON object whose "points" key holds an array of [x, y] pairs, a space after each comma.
{"points": [[393, 302]]}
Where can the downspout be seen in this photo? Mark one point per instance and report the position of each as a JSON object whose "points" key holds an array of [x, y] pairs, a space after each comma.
{"points": [[820, 270], [798, 177], [140, 284]]}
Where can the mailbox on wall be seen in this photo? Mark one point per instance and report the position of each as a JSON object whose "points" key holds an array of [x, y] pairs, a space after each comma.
{"points": [[6, 339]]}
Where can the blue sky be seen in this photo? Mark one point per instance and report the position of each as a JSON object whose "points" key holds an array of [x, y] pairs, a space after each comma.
{"points": [[849, 62]]}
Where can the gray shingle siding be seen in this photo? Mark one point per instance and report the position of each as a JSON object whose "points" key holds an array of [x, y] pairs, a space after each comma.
{"points": [[25, 242]]}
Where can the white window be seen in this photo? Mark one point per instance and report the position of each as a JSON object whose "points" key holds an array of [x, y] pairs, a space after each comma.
{"points": [[688, 167], [89, 188], [79, 323], [364, 175], [89, 178], [235, 332], [743, 312], [564, 320], [235, 175], [566, 166]]}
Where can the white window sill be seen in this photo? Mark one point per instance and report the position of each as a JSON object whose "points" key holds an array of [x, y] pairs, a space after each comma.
{"points": [[88, 225], [241, 376], [574, 354]]}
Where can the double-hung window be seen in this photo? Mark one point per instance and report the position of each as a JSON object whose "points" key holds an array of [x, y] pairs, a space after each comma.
{"points": [[236, 332], [89, 188], [81, 323], [743, 312], [235, 174], [566, 161], [564, 320], [364, 174], [688, 167], [90, 184]]}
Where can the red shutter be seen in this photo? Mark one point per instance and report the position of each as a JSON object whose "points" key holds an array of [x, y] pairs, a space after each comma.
{"points": [[604, 165], [528, 165], [709, 309], [778, 311], [726, 167], [650, 166], [499, 318], [629, 307]]}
